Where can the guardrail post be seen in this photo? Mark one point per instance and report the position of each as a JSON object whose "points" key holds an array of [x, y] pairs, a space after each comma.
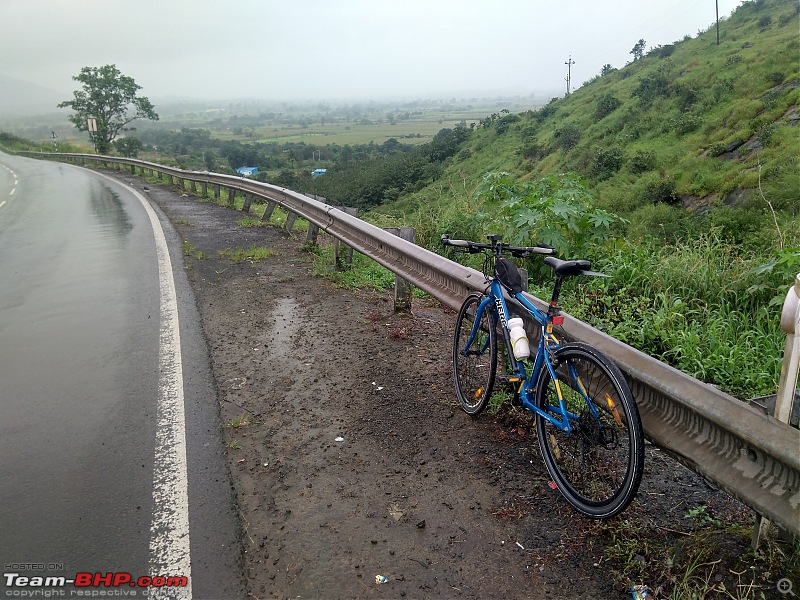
{"points": [[269, 210], [784, 401], [403, 289], [231, 196], [204, 188], [290, 219], [313, 232], [160, 176], [338, 251], [216, 191], [170, 179], [248, 200]]}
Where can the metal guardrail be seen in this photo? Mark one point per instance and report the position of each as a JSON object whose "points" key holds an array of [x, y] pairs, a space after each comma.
{"points": [[749, 454]]}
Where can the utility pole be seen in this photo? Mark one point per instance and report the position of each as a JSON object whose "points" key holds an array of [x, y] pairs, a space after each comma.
{"points": [[569, 64], [717, 3]]}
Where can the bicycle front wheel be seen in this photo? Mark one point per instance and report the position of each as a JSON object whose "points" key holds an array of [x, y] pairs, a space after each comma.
{"points": [[474, 366], [598, 466]]}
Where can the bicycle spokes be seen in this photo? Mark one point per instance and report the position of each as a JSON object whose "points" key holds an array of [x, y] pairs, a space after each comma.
{"points": [[590, 450], [474, 355]]}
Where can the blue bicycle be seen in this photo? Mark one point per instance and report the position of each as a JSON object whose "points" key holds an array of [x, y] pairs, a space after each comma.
{"points": [[587, 424]]}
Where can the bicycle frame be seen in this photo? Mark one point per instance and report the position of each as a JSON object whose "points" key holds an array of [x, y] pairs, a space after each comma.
{"points": [[495, 301]]}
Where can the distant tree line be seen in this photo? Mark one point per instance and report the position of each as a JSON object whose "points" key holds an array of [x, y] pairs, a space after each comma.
{"points": [[360, 175], [364, 183]]}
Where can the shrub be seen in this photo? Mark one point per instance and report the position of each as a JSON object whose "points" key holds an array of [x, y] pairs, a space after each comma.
{"points": [[545, 112], [606, 162], [733, 59], [654, 85], [606, 104], [722, 89], [688, 96], [660, 191], [532, 150], [766, 133], [642, 161], [776, 77], [685, 123], [567, 137], [501, 126], [666, 50], [717, 149]]}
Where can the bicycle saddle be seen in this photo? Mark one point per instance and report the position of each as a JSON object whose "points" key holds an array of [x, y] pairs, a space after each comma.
{"points": [[565, 268]]}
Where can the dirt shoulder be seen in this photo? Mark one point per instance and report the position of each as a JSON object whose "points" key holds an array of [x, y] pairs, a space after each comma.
{"points": [[350, 458]]}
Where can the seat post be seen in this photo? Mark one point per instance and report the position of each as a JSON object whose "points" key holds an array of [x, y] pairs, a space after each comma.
{"points": [[553, 309]]}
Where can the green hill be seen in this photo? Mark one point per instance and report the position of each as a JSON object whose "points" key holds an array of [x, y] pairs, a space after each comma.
{"points": [[693, 126]]}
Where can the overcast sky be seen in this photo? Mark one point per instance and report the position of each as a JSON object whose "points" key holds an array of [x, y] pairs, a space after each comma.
{"points": [[337, 49]]}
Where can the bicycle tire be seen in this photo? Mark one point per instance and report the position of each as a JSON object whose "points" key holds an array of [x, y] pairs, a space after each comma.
{"points": [[598, 466], [474, 368]]}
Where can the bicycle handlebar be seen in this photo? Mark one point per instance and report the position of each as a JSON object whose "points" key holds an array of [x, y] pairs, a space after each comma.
{"points": [[498, 247]]}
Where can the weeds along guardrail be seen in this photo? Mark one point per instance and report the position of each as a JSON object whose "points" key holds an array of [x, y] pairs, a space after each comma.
{"points": [[739, 448]]}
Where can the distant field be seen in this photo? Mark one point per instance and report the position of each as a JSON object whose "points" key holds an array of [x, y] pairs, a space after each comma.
{"points": [[411, 131], [359, 124]]}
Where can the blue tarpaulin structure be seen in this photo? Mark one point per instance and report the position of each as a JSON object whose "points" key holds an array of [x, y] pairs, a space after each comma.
{"points": [[247, 171]]}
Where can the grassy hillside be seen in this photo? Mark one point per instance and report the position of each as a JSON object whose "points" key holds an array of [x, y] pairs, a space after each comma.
{"points": [[692, 126]]}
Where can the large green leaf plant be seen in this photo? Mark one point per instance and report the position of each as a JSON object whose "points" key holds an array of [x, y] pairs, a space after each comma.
{"points": [[556, 209]]}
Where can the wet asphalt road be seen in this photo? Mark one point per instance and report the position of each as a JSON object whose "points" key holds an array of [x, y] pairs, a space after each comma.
{"points": [[79, 386]]}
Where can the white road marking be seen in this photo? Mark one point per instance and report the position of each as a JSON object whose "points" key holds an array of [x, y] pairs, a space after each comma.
{"points": [[169, 531], [16, 182]]}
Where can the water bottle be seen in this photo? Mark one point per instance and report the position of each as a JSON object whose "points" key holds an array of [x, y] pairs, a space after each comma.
{"points": [[519, 341]]}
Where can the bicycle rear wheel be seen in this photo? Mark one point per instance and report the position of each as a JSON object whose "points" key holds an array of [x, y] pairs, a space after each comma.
{"points": [[474, 367], [598, 466]]}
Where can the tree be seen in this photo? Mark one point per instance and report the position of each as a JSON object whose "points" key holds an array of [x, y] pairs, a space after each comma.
{"points": [[108, 97], [128, 146], [638, 50]]}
